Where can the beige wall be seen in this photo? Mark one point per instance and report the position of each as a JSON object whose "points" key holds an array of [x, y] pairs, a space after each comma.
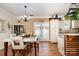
{"points": [[29, 27], [6, 17]]}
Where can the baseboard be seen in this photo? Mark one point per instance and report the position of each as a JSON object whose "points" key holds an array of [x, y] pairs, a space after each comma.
{"points": [[44, 41], [54, 42]]}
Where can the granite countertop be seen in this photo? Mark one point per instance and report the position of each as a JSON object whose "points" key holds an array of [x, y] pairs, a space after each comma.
{"points": [[62, 34], [73, 34]]}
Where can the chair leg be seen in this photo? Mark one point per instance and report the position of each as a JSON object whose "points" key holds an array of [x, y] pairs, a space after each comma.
{"points": [[13, 52], [38, 47], [24, 52], [35, 48], [27, 48], [19, 52]]}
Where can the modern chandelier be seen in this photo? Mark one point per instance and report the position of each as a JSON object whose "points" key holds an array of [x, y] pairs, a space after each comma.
{"points": [[24, 17]]}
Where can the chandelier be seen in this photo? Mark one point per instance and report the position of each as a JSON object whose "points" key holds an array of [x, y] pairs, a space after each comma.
{"points": [[24, 17]]}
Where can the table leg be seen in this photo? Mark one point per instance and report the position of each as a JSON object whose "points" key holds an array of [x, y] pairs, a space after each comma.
{"points": [[5, 48], [35, 48]]}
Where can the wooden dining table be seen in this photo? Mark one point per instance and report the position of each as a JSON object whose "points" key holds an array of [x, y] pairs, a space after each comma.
{"points": [[29, 39]]}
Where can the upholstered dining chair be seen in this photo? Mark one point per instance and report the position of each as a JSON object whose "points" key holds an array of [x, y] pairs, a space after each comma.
{"points": [[12, 35], [18, 46]]}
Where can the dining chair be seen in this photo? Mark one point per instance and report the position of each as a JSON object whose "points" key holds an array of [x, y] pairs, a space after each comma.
{"points": [[12, 35], [18, 46], [37, 42]]}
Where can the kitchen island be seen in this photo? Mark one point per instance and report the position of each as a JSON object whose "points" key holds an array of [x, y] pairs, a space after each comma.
{"points": [[68, 44]]}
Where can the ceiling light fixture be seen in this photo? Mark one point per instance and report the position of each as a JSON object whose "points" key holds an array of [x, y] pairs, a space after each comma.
{"points": [[25, 18], [72, 8]]}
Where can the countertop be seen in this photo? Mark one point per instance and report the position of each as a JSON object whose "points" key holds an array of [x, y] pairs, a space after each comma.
{"points": [[71, 34]]}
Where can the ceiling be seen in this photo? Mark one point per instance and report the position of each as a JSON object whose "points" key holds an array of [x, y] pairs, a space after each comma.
{"points": [[36, 9]]}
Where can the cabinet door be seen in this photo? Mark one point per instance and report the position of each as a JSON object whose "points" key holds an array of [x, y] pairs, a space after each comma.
{"points": [[75, 24], [54, 37], [61, 45], [53, 30]]}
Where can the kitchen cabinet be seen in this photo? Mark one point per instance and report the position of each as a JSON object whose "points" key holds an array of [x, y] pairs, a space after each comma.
{"points": [[72, 45], [61, 44], [54, 30], [68, 44], [75, 24]]}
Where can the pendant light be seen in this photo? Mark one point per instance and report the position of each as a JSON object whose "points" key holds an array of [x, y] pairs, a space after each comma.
{"points": [[72, 8], [25, 18]]}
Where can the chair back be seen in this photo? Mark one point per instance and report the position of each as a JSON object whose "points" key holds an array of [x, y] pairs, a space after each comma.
{"points": [[17, 42], [12, 35]]}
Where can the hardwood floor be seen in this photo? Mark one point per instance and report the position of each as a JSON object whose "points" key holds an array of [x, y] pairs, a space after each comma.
{"points": [[45, 49], [48, 49]]}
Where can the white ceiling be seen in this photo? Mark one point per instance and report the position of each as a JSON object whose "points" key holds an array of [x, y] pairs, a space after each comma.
{"points": [[37, 9]]}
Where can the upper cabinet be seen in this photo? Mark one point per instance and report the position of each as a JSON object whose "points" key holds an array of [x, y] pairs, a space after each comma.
{"points": [[75, 24], [64, 25]]}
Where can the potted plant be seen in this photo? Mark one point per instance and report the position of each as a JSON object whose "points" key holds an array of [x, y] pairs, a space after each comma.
{"points": [[74, 15]]}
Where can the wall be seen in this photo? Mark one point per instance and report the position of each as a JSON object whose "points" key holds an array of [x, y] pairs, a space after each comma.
{"points": [[7, 17], [29, 26]]}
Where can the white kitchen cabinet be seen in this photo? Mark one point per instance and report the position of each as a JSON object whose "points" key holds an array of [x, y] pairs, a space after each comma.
{"points": [[75, 24], [54, 30], [61, 44], [66, 25]]}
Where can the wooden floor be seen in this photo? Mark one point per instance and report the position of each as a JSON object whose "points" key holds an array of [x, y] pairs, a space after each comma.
{"points": [[45, 49]]}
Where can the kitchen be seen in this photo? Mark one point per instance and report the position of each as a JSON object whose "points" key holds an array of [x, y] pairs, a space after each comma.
{"points": [[55, 27]]}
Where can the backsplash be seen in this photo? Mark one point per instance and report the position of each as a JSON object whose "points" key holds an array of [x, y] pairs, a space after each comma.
{"points": [[73, 30]]}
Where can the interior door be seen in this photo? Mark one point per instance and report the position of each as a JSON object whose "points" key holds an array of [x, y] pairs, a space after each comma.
{"points": [[41, 29]]}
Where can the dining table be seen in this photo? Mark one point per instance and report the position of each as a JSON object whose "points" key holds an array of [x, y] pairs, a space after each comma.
{"points": [[27, 40]]}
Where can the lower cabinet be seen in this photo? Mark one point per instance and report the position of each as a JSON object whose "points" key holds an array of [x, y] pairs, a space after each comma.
{"points": [[72, 45], [69, 45], [61, 45]]}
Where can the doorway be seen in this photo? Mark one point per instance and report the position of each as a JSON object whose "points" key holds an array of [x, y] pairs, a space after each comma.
{"points": [[41, 29]]}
